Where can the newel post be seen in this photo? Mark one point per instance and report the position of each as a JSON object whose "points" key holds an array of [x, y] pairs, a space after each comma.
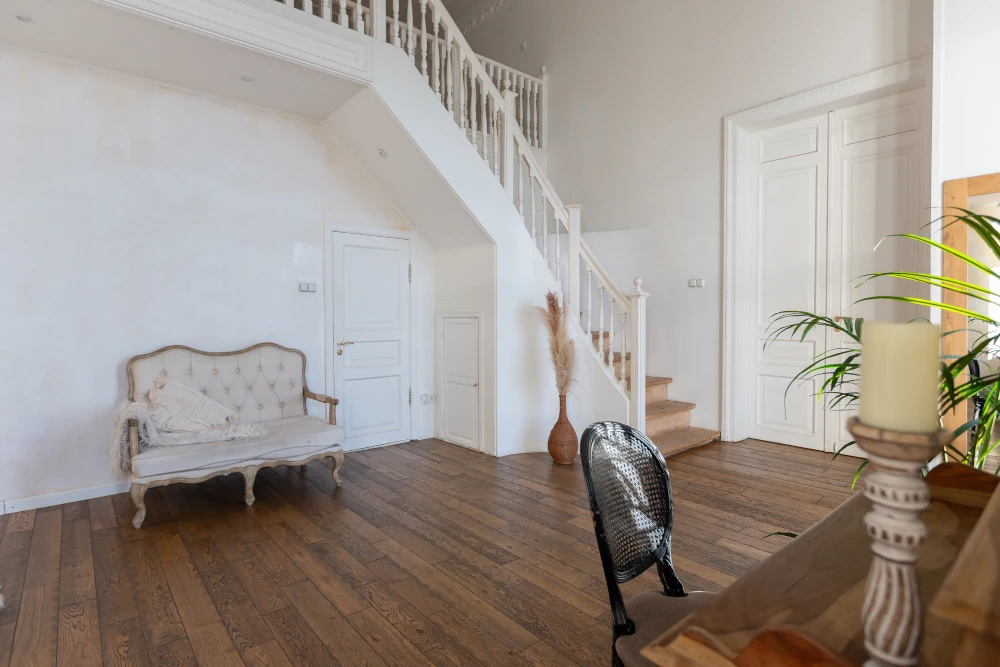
{"points": [[378, 20], [573, 265], [509, 123], [637, 395]]}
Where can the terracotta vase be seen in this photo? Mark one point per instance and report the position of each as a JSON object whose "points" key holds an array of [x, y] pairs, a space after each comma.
{"points": [[563, 444]]}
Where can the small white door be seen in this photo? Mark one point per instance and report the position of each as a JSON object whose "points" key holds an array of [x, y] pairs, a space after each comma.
{"points": [[789, 273], [371, 336], [460, 407]]}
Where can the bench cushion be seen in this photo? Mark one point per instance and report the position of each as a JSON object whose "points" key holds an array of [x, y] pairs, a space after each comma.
{"points": [[286, 439]]}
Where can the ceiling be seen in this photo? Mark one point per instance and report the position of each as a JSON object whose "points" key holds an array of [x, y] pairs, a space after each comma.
{"points": [[95, 34]]}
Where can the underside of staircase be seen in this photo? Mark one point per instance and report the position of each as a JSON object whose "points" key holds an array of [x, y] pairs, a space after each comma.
{"points": [[668, 423]]}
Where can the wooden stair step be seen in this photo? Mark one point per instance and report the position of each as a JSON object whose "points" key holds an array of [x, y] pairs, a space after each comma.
{"points": [[663, 416], [675, 442], [667, 408]]}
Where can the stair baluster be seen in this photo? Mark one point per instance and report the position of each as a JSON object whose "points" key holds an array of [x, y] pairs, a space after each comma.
{"points": [[611, 336], [545, 229], [395, 23], [411, 42], [448, 75], [495, 118], [536, 137], [326, 10], [557, 250], [531, 194], [527, 125], [520, 181], [461, 89], [600, 322], [342, 17], [623, 382], [423, 41], [307, 7], [435, 24], [359, 17], [484, 120], [590, 298]]}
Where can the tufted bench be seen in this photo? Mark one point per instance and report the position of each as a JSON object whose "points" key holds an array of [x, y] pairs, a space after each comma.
{"points": [[264, 383]]}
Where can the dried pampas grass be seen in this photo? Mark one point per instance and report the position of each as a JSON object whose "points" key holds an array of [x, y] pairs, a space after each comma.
{"points": [[561, 347]]}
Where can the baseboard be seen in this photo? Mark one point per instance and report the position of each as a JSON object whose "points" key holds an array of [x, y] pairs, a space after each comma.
{"points": [[60, 497]]}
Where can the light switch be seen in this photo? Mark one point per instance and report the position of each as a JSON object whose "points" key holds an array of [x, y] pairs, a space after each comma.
{"points": [[696, 282], [307, 287]]}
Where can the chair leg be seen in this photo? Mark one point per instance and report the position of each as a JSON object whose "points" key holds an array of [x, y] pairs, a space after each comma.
{"points": [[338, 460], [249, 475], [138, 493]]}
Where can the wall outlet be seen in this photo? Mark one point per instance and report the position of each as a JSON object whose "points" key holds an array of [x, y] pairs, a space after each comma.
{"points": [[426, 398], [696, 282]]}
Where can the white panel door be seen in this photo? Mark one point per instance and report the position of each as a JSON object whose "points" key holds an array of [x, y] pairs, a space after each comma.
{"points": [[371, 334], [789, 273], [878, 186], [460, 416]]}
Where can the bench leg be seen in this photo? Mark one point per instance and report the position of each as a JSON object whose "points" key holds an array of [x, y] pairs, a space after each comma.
{"points": [[338, 460], [249, 475], [138, 492]]}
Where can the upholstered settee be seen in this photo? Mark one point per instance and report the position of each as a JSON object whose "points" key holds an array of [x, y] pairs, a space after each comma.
{"points": [[264, 383]]}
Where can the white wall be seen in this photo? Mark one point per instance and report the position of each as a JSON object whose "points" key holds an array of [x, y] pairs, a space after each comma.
{"points": [[638, 91], [966, 95], [136, 216]]}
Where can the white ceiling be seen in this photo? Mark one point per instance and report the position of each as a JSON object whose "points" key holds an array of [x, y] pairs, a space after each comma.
{"points": [[95, 34]]}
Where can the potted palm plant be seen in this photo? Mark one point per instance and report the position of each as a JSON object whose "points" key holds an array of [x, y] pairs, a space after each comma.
{"points": [[837, 371]]}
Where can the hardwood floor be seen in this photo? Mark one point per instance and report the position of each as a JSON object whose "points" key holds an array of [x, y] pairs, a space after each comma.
{"points": [[428, 554]]}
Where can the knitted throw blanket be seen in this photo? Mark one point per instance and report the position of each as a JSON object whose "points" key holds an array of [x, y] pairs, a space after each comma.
{"points": [[175, 415]]}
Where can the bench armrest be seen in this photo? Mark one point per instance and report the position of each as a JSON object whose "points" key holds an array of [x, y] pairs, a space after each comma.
{"points": [[133, 439], [323, 398]]}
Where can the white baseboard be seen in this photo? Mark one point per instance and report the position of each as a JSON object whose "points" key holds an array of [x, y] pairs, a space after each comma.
{"points": [[60, 497]]}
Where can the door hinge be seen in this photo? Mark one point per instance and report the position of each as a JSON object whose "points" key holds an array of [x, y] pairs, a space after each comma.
{"points": [[411, 395], [409, 272]]}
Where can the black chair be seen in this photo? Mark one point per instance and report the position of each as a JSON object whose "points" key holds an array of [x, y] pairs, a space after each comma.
{"points": [[630, 500]]}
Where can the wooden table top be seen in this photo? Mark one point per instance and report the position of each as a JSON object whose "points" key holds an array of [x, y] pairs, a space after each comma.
{"points": [[815, 587]]}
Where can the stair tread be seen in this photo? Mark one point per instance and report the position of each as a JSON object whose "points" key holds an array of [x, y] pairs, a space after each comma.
{"points": [[666, 408], [674, 442], [654, 380]]}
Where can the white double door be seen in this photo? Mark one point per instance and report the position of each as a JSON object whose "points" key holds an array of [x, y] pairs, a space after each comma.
{"points": [[825, 191], [371, 337]]}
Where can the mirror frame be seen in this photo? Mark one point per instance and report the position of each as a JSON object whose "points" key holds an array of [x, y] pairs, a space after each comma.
{"points": [[956, 195]]}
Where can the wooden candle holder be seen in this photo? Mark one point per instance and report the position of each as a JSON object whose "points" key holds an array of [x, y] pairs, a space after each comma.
{"points": [[892, 614]]}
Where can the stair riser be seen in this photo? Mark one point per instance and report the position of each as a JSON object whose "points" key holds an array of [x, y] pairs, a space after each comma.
{"points": [[672, 422], [656, 393]]}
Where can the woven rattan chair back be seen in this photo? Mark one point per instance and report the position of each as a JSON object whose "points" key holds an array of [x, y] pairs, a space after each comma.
{"points": [[632, 507]]}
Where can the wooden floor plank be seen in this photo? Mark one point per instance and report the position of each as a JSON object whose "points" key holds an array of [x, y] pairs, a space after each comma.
{"points": [[79, 633], [46, 541], [428, 553], [37, 625]]}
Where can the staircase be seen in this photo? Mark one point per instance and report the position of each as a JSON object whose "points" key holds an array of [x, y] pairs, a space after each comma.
{"points": [[500, 112]]}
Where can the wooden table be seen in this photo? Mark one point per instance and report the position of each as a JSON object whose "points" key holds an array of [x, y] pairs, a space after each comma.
{"points": [[802, 606]]}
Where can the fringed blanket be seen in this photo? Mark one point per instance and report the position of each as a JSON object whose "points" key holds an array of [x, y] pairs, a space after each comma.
{"points": [[175, 415]]}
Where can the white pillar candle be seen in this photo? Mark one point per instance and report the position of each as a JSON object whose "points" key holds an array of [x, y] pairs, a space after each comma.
{"points": [[899, 376]]}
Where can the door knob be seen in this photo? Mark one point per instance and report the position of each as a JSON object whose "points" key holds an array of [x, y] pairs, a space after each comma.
{"points": [[476, 385]]}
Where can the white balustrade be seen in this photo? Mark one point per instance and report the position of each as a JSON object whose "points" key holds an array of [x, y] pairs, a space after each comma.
{"points": [[531, 97]]}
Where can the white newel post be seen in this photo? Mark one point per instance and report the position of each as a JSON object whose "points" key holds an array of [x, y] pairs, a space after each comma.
{"points": [[573, 261], [509, 123], [378, 20], [637, 395]]}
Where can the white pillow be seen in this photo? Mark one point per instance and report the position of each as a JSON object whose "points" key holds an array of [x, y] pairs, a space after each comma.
{"points": [[174, 406]]}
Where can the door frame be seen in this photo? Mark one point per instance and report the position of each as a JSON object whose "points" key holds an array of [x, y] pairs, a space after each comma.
{"points": [[738, 131], [439, 371], [329, 228]]}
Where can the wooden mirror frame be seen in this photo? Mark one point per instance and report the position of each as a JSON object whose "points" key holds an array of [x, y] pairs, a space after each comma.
{"points": [[956, 195]]}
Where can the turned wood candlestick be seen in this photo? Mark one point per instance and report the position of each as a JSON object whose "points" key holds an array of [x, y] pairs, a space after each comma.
{"points": [[892, 614]]}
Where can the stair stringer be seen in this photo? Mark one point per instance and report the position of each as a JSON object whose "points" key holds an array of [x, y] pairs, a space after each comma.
{"points": [[525, 405]]}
